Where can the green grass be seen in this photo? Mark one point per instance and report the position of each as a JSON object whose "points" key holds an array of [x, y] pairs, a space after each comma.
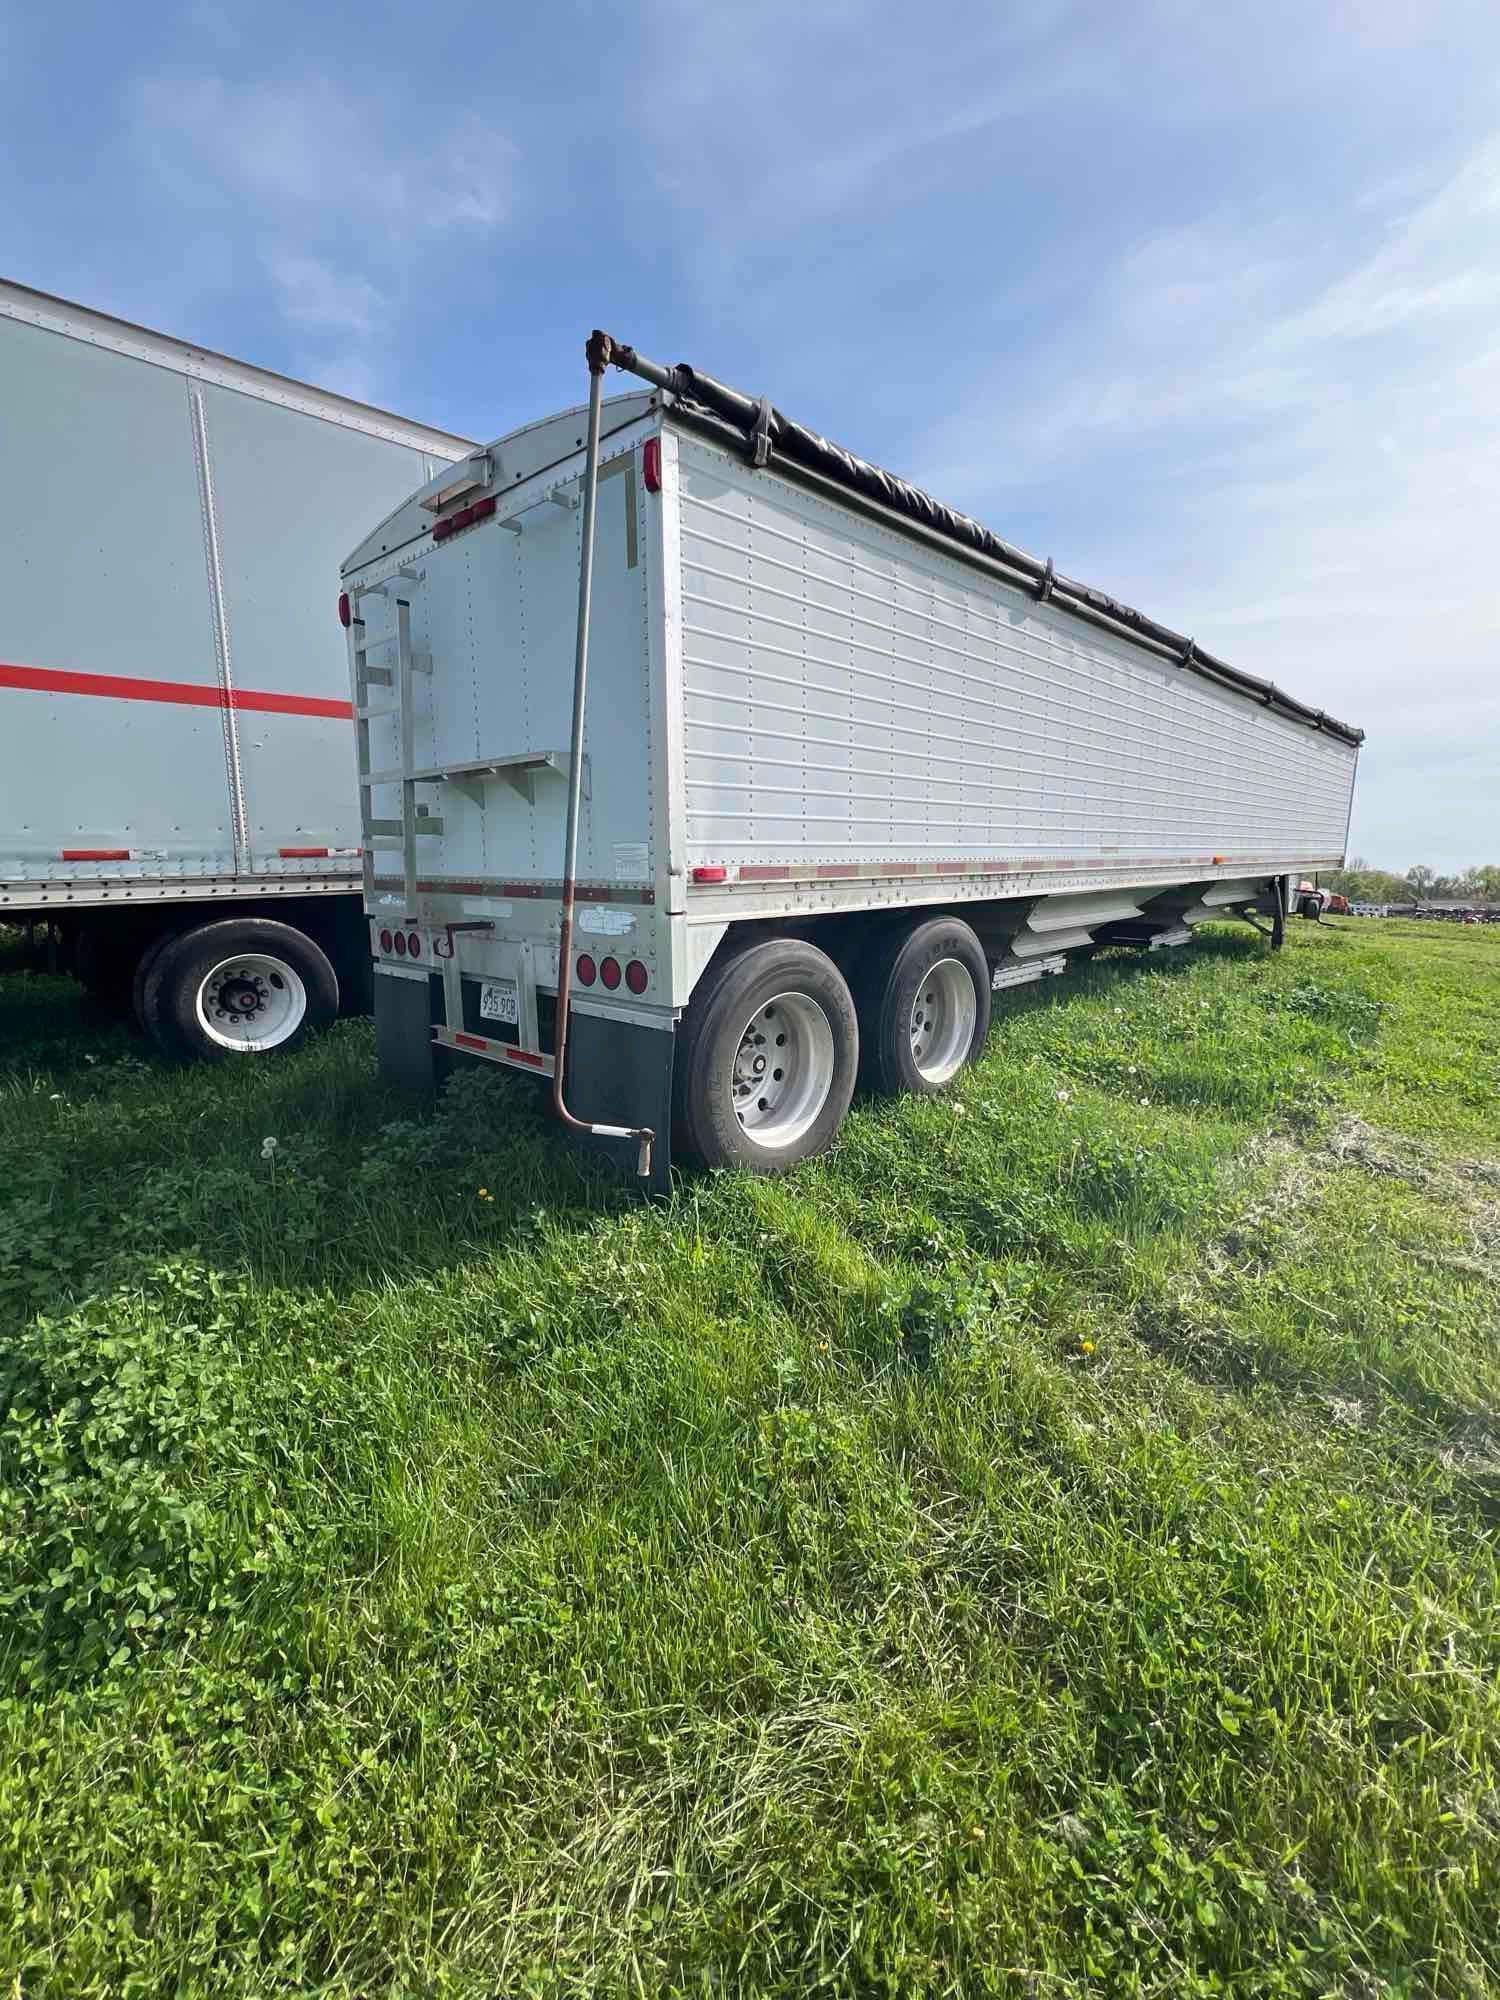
{"points": [[1046, 1547]]}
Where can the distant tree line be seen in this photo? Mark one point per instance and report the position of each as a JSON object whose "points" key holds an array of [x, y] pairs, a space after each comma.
{"points": [[1363, 884]]}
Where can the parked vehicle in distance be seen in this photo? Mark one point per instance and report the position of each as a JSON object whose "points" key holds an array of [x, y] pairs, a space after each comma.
{"points": [[176, 791], [835, 764]]}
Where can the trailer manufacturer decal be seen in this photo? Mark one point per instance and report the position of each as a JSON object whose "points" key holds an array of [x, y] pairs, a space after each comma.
{"points": [[600, 920]]}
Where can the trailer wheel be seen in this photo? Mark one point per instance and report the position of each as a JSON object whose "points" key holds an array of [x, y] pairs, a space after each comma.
{"points": [[1310, 907], [926, 1010], [144, 966], [246, 986], [768, 1057]]}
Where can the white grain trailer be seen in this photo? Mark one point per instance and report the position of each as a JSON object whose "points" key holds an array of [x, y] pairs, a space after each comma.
{"points": [[177, 797], [833, 764]]}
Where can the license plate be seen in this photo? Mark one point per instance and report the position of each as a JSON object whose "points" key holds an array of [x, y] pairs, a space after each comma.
{"points": [[499, 1001]]}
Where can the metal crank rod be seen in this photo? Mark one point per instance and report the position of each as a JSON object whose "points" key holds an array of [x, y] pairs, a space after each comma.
{"points": [[599, 353]]}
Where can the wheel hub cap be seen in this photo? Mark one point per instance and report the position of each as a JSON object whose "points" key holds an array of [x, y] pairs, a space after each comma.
{"points": [[783, 1070], [251, 1003], [943, 1017]]}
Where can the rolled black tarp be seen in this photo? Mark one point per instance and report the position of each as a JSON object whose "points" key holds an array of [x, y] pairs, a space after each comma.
{"points": [[756, 419]]}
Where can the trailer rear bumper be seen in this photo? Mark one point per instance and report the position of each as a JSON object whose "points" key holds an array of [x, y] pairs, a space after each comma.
{"points": [[619, 1071]]}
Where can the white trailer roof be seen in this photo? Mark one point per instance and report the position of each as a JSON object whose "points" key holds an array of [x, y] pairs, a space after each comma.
{"points": [[202, 364], [517, 456]]}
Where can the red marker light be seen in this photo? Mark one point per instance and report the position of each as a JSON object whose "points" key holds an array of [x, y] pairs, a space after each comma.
{"points": [[414, 944], [636, 976], [609, 972], [401, 944], [651, 464], [385, 941], [345, 614], [588, 972], [710, 874]]}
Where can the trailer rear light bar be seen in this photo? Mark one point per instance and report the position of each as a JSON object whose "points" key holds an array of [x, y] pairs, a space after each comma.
{"points": [[479, 510]]}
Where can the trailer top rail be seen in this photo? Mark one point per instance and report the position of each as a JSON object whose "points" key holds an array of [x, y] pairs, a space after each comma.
{"points": [[202, 364], [762, 430]]}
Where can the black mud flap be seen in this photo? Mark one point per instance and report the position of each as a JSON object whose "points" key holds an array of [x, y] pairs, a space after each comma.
{"points": [[405, 1009], [621, 1073]]}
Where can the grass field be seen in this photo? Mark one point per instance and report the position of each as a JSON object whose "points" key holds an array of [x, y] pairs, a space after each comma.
{"points": [[1047, 1547]]}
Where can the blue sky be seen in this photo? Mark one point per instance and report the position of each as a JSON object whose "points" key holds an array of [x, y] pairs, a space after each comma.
{"points": [[1202, 301]]}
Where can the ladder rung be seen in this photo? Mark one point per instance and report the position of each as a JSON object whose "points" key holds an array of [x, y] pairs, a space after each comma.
{"points": [[374, 714]]}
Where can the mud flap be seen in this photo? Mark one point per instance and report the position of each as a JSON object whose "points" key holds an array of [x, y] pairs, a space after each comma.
{"points": [[621, 1072], [405, 1009]]}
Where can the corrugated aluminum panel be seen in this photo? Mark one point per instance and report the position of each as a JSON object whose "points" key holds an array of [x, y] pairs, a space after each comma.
{"points": [[851, 696]]}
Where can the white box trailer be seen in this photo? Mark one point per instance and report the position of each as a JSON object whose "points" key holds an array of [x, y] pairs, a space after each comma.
{"points": [[177, 796], [833, 764]]}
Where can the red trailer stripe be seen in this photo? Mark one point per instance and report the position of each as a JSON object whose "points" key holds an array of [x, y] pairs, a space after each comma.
{"points": [[180, 694], [96, 854]]}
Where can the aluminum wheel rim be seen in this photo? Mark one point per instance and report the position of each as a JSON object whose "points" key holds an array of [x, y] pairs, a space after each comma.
{"points": [[783, 1070], [250, 1003], [943, 1015]]}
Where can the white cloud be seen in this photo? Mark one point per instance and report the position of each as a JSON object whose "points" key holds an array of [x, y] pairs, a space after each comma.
{"points": [[314, 295], [1296, 430], [325, 187], [814, 112], [314, 146]]}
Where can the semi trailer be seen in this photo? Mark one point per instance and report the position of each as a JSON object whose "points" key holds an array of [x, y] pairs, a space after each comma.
{"points": [[832, 765], [177, 798]]}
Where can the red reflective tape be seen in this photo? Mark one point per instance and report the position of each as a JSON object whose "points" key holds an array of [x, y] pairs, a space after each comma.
{"points": [[177, 694], [302, 853], [839, 869], [471, 1042], [96, 854], [523, 1056], [766, 872]]}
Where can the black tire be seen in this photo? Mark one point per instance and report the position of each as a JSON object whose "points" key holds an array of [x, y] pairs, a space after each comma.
{"points": [[713, 1102], [297, 998], [1310, 907], [143, 969], [893, 981]]}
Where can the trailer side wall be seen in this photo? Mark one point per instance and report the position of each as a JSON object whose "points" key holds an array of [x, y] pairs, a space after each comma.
{"points": [[856, 703], [174, 714]]}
